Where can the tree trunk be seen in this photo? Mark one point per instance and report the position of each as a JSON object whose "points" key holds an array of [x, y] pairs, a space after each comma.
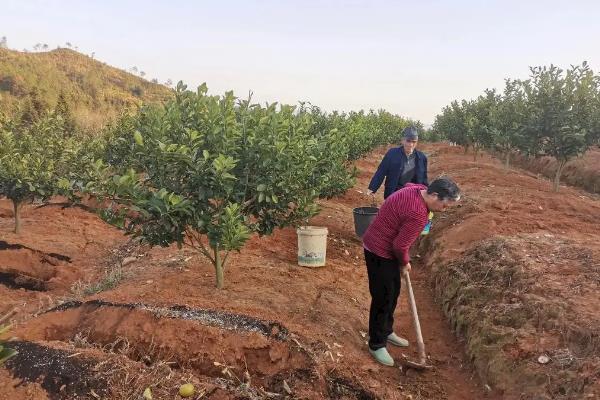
{"points": [[17, 206], [507, 160], [219, 268], [475, 152], [559, 170], [466, 148]]}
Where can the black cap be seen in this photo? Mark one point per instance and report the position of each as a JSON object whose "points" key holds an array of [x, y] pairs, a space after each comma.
{"points": [[410, 133]]}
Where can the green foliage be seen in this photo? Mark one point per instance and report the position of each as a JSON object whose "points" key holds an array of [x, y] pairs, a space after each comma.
{"points": [[34, 159], [63, 110], [563, 109], [554, 113], [208, 171], [33, 108], [431, 135], [508, 127]]}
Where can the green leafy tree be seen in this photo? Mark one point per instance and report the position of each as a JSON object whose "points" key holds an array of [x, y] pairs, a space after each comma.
{"points": [[452, 124], [509, 122], [554, 113], [84, 168], [562, 111], [33, 108], [208, 171], [63, 110], [33, 160], [483, 121], [333, 174]]}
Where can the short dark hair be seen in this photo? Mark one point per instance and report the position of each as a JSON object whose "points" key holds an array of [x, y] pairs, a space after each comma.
{"points": [[445, 188]]}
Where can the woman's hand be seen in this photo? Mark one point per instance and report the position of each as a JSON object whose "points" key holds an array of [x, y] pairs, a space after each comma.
{"points": [[406, 268]]}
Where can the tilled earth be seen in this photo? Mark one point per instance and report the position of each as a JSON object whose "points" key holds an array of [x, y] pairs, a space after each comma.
{"points": [[125, 317]]}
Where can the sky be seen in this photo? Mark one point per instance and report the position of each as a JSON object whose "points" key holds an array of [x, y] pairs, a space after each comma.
{"points": [[409, 57]]}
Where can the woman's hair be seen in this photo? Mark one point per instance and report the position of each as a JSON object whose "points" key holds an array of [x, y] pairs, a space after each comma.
{"points": [[445, 188]]}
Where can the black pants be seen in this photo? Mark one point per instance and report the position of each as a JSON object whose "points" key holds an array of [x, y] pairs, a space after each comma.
{"points": [[384, 286]]}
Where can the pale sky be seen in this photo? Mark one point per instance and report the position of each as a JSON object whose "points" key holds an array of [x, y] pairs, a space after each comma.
{"points": [[408, 57]]}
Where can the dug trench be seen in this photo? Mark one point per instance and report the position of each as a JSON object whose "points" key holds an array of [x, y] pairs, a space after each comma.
{"points": [[29, 269], [197, 340], [56, 249]]}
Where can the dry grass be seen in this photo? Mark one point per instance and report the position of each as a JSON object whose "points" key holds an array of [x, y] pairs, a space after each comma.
{"points": [[112, 277], [129, 372], [96, 92], [512, 307]]}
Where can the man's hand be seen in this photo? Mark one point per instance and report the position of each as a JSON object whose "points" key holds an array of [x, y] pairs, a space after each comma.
{"points": [[406, 268]]}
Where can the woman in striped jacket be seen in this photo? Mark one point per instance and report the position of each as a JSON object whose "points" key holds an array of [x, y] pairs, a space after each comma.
{"points": [[386, 243]]}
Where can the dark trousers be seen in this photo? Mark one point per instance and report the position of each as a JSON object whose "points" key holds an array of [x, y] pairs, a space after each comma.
{"points": [[384, 286]]}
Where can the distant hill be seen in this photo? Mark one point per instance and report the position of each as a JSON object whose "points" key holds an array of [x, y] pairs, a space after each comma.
{"points": [[94, 91]]}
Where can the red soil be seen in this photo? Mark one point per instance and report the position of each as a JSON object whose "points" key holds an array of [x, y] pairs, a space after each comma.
{"points": [[325, 310], [583, 171]]}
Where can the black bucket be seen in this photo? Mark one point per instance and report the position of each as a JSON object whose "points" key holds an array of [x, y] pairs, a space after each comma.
{"points": [[363, 216]]}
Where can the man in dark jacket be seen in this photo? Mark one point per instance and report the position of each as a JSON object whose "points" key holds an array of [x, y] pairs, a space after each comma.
{"points": [[401, 165]]}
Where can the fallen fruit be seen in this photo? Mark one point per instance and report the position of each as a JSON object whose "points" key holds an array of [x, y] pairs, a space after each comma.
{"points": [[543, 359], [186, 390]]}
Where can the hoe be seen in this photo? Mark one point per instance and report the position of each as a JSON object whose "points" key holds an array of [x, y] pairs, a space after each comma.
{"points": [[422, 363]]}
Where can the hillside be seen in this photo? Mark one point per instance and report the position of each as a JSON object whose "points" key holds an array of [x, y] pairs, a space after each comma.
{"points": [[95, 91]]}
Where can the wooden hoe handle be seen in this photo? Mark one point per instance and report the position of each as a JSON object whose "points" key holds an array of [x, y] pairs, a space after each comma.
{"points": [[415, 318]]}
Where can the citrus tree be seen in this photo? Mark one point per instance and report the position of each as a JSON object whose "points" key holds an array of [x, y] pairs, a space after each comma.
{"points": [[455, 124], [554, 113], [208, 171], [333, 173], [563, 108], [83, 166], [33, 161], [510, 115]]}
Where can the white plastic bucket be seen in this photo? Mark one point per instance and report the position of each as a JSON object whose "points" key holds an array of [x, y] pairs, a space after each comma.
{"points": [[312, 246]]}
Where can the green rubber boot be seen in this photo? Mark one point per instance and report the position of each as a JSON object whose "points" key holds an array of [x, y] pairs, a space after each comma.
{"points": [[382, 356], [397, 340]]}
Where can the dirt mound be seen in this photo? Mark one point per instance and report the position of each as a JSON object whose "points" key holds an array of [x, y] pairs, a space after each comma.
{"points": [[583, 171], [80, 370], [208, 343], [194, 338], [221, 319], [57, 248], [516, 299]]}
